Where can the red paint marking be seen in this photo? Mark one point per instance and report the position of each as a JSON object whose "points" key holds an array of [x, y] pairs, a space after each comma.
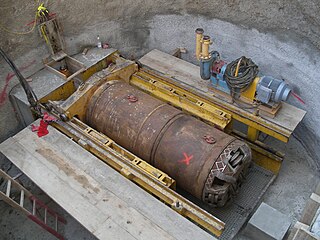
{"points": [[43, 128], [297, 97], [48, 118], [30, 23], [3, 93], [34, 128], [186, 159]]}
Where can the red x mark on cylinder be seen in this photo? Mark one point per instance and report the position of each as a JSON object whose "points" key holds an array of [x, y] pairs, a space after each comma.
{"points": [[186, 159]]}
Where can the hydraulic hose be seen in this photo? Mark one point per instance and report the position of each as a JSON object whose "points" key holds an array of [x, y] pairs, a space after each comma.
{"points": [[240, 76], [32, 98]]}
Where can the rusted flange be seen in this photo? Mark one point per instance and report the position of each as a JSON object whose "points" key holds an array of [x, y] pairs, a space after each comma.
{"points": [[132, 98], [209, 139]]}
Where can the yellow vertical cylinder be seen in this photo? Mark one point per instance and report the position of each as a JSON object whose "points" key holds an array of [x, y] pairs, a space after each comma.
{"points": [[206, 41], [199, 35]]}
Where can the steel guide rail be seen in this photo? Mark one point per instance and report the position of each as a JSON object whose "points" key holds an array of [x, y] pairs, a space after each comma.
{"points": [[179, 98], [123, 161]]}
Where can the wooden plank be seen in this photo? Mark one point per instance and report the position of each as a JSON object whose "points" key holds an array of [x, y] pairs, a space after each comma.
{"points": [[288, 116], [99, 215], [189, 74], [60, 191], [109, 200], [303, 234], [108, 203], [310, 210]]}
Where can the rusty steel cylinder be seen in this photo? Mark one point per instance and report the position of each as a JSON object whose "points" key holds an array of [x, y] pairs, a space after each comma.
{"points": [[203, 160]]}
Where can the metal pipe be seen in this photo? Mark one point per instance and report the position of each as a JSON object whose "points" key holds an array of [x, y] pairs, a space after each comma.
{"points": [[205, 68], [199, 35], [206, 41], [206, 65], [204, 161]]}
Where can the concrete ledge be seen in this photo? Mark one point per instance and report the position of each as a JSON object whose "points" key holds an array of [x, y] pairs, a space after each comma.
{"points": [[267, 223]]}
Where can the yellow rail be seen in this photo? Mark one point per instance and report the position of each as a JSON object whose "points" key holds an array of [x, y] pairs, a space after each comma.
{"points": [[153, 172], [181, 99]]}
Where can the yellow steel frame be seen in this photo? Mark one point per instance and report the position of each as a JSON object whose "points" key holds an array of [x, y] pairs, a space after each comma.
{"points": [[153, 172], [158, 183], [181, 99], [61, 93], [252, 134], [146, 176], [76, 104], [251, 91], [262, 154]]}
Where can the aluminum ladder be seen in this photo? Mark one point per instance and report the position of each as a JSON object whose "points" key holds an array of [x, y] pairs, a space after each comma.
{"points": [[31, 209]]}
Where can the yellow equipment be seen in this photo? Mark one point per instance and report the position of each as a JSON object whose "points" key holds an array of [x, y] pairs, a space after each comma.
{"points": [[172, 81], [239, 80]]}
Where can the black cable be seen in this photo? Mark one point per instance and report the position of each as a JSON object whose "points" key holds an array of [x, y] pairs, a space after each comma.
{"points": [[248, 71], [32, 98]]}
